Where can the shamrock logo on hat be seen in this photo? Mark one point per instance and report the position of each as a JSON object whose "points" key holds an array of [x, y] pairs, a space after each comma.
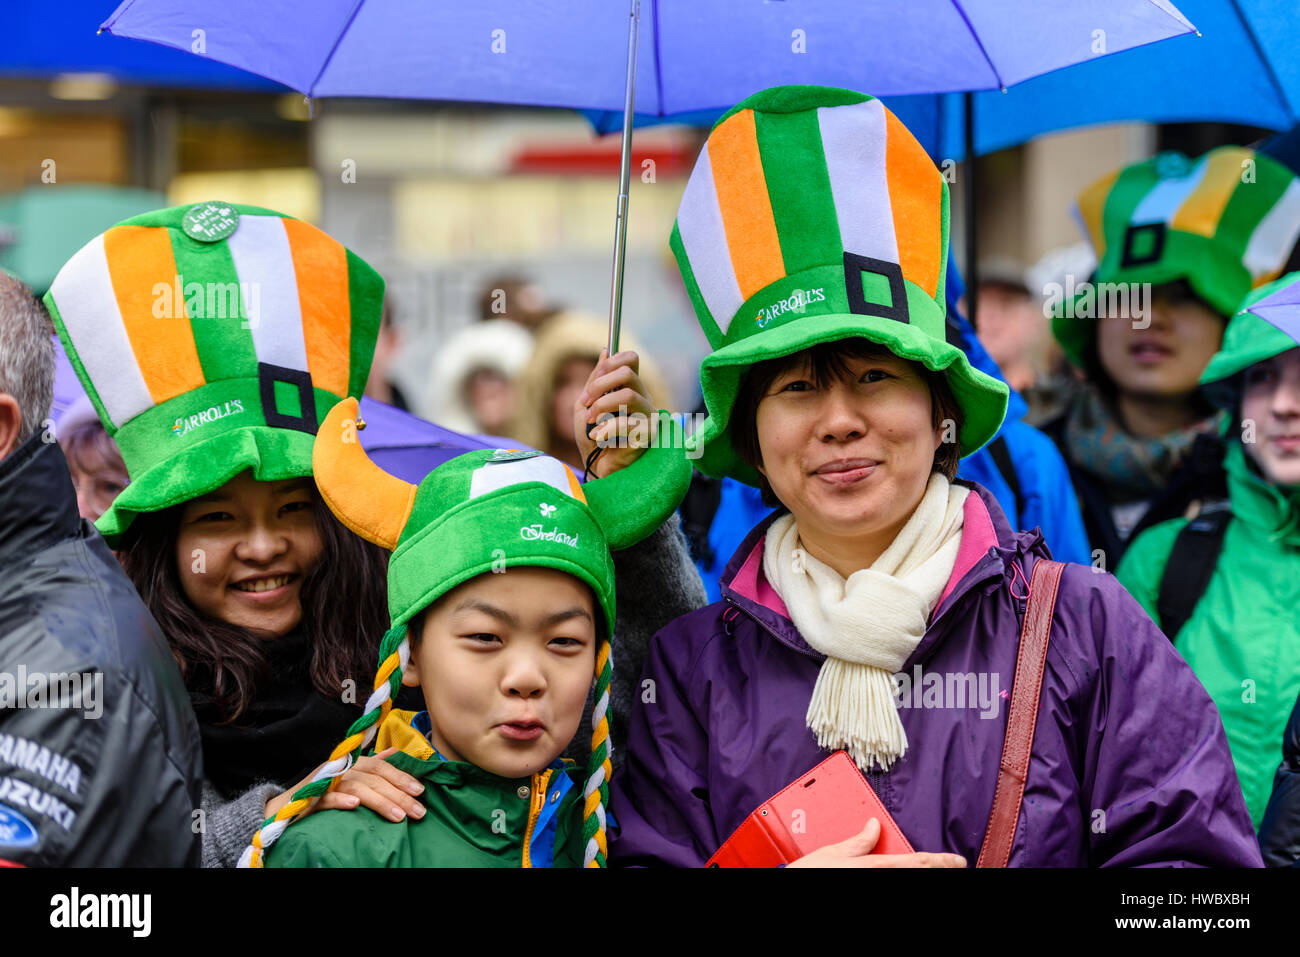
{"points": [[546, 510]]}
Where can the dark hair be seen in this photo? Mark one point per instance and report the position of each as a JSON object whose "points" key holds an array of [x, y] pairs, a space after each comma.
{"points": [[344, 613], [828, 361]]}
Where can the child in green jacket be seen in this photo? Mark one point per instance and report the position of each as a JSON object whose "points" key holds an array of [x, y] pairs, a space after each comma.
{"points": [[501, 594]]}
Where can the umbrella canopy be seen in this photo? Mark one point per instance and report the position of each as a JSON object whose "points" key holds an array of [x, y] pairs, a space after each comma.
{"points": [[42, 42], [696, 54], [1241, 69]]}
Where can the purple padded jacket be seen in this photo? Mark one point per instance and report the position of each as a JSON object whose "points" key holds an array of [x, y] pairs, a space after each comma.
{"points": [[1130, 765]]}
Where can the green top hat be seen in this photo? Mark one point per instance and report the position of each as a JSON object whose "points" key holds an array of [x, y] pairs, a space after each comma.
{"points": [[1225, 223], [813, 215], [212, 339]]}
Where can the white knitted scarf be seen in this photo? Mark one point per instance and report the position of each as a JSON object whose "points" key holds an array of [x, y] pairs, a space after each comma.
{"points": [[869, 624]]}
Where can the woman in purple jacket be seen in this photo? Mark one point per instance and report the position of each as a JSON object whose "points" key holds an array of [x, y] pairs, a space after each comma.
{"points": [[879, 610]]}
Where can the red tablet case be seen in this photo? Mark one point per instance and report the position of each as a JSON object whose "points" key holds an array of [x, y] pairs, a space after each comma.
{"points": [[829, 804]]}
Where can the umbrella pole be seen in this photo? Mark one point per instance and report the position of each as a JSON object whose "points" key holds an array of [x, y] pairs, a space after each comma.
{"points": [[624, 176]]}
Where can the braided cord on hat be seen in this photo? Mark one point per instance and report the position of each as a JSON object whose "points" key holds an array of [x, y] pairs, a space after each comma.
{"points": [[599, 769], [394, 653]]}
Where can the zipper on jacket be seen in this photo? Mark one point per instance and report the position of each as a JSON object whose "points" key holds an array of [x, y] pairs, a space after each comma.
{"points": [[536, 803]]}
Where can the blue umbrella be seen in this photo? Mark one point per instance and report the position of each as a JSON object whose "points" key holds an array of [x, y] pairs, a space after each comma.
{"points": [[700, 54], [1243, 68], [41, 42]]}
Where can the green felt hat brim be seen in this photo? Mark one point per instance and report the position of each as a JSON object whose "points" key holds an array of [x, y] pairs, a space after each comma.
{"points": [[634, 501], [274, 454], [1247, 340], [982, 399], [1213, 274], [1256, 341]]}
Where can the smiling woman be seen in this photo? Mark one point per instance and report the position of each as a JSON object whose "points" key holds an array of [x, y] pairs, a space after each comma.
{"points": [[915, 406], [234, 573], [850, 408], [244, 549], [272, 608]]}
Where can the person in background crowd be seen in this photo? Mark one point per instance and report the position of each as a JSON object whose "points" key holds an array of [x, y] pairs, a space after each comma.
{"points": [[879, 566], [1021, 466], [388, 346], [1179, 243], [1225, 585], [472, 385], [516, 299], [1011, 324], [1060, 380], [564, 354], [98, 472], [104, 771]]}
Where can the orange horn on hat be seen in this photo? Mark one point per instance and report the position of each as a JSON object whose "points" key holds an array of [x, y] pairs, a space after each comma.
{"points": [[365, 498]]}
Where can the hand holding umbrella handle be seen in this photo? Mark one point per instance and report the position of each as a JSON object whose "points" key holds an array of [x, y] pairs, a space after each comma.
{"points": [[614, 400]]}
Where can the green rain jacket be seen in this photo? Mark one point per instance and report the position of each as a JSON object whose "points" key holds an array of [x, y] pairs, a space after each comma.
{"points": [[1243, 638], [473, 818]]}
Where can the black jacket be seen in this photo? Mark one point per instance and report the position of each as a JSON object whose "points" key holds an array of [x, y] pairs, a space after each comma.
{"points": [[1279, 831], [1199, 478], [111, 775]]}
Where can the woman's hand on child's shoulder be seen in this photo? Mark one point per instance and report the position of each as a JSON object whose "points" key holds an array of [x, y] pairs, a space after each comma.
{"points": [[617, 406], [373, 782], [856, 852]]}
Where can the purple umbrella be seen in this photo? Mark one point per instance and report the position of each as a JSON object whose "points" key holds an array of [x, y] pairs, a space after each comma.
{"points": [[698, 54]]}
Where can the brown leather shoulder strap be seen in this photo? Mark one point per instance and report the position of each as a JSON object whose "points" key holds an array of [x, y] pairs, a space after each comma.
{"points": [[1031, 660]]}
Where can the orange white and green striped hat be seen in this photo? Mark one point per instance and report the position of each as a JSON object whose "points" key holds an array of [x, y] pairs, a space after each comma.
{"points": [[212, 339], [813, 215], [1225, 223]]}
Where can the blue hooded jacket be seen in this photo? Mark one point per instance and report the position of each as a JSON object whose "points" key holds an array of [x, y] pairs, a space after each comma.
{"points": [[1046, 492]]}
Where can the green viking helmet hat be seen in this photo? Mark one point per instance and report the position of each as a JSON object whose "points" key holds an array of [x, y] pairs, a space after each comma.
{"points": [[495, 508], [813, 215], [212, 339]]}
